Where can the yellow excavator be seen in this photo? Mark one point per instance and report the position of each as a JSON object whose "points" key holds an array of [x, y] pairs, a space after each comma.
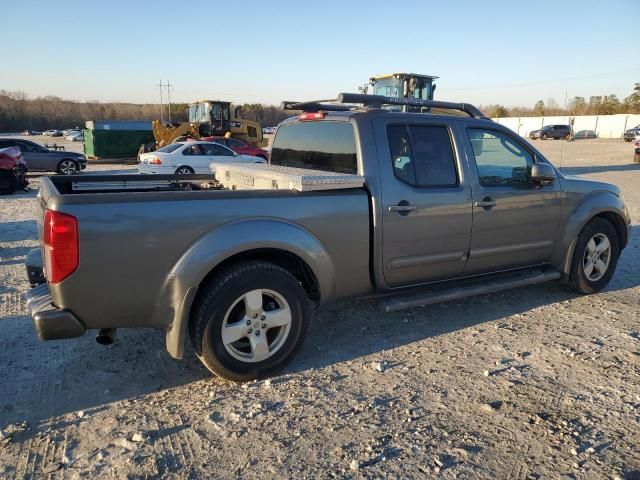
{"points": [[210, 118]]}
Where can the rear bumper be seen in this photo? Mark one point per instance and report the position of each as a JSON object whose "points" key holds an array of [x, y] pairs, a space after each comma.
{"points": [[49, 321]]}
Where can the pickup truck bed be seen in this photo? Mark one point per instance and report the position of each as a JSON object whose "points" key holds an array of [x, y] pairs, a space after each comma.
{"points": [[130, 239]]}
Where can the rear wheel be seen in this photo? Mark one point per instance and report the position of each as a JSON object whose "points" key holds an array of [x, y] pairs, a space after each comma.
{"points": [[8, 182], [67, 167], [249, 321], [594, 258], [184, 170]]}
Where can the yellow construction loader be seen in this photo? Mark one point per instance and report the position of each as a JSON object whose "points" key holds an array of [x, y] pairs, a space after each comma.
{"points": [[210, 118]]}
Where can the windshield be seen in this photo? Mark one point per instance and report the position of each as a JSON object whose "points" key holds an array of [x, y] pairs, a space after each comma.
{"points": [[172, 147], [389, 87]]}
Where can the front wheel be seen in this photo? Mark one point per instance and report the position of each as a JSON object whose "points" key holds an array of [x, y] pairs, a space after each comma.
{"points": [[249, 321], [67, 167], [594, 258]]}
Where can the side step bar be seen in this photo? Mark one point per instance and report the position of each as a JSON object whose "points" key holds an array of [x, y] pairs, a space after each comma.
{"points": [[456, 293]]}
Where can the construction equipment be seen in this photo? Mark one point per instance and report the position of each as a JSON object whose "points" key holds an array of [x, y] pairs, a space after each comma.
{"points": [[210, 118], [402, 85]]}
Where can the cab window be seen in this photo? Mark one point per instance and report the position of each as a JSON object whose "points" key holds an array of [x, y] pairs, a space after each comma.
{"points": [[500, 159], [319, 145], [422, 155]]}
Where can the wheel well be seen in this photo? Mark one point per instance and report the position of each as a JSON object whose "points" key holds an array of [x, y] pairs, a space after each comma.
{"points": [[287, 260], [619, 225]]}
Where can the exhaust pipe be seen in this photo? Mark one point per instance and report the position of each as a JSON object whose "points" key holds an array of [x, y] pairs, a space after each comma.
{"points": [[106, 336]]}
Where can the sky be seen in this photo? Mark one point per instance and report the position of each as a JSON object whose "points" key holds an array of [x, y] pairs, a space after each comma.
{"points": [[485, 52]]}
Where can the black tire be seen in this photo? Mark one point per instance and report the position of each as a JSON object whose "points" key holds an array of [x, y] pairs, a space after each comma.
{"points": [[219, 298], [184, 170], [8, 182], [66, 166], [577, 280]]}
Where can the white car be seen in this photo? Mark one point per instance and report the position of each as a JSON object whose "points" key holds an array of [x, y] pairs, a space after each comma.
{"points": [[190, 157], [74, 137]]}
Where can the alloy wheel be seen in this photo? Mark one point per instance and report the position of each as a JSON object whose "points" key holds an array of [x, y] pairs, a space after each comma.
{"points": [[256, 325], [597, 256], [68, 167]]}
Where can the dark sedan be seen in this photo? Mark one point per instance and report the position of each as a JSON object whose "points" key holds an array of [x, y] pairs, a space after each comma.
{"points": [[39, 158], [551, 131]]}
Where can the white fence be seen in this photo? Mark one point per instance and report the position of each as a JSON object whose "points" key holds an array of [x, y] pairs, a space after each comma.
{"points": [[605, 126]]}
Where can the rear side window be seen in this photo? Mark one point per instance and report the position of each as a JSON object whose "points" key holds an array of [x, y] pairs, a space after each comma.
{"points": [[322, 145], [422, 155]]}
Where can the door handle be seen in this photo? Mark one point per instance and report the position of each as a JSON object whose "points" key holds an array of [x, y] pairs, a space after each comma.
{"points": [[487, 203], [402, 208]]}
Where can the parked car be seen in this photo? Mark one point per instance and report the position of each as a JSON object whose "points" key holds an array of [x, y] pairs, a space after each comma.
{"points": [[29, 132], [631, 133], [52, 133], [189, 157], [13, 171], [551, 131], [461, 203], [39, 158], [636, 156], [239, 146], [269, 130], [585, 134], [75, 137]]}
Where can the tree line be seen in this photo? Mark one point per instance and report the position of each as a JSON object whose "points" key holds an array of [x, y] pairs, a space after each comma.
{"points": [[596, 105], [18, 112]]}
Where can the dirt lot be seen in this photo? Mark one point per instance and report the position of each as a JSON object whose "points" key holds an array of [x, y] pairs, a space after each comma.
{"points": [[530, 383]]}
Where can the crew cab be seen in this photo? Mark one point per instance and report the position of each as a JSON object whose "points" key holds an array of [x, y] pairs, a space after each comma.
{"points": [[450, 206]]}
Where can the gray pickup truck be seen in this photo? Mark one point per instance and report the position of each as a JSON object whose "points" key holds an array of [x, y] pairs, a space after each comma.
{"points": [[452, 205]]}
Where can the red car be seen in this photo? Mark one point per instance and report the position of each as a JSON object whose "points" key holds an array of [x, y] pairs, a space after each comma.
{"points": [[239, 146]]}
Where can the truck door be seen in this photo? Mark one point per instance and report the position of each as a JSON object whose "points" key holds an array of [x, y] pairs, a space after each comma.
{"points": [[425, 201], [515, 222]]}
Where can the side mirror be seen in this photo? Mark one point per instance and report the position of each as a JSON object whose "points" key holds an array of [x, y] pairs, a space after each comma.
{"points": [[543, 173]]}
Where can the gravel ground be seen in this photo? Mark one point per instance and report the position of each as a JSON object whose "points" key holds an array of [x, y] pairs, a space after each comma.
{"points": [[530, 383]]}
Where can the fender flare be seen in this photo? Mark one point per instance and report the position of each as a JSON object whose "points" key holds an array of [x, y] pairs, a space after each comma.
{"points": [[593, 205], [225, 242]]}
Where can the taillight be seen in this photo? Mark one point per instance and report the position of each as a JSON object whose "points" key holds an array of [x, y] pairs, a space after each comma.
{"points": [[155, 161], [312, 116], [60, 245]]}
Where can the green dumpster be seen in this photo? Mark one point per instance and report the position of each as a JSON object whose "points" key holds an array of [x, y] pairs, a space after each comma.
{"points": [[100, 143]]}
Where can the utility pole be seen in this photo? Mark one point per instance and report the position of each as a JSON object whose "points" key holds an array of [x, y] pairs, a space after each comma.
{"points": [[161, 107], [169, 97], [168, 85]]}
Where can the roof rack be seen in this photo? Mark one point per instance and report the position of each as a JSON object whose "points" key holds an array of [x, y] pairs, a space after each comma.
{"points": [[349, 101]]}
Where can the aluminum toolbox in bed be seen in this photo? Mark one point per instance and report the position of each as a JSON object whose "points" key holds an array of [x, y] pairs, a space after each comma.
{"points": [[258, 176]]}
